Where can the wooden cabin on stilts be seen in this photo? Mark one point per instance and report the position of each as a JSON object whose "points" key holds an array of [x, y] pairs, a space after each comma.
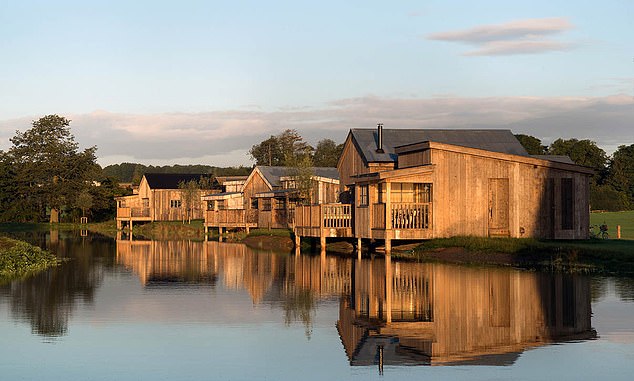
{"points": [[406, 184]]}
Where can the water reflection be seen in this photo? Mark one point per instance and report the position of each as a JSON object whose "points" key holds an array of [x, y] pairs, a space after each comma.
{"points": [[390, 313], [48, 299], [407, 313]]}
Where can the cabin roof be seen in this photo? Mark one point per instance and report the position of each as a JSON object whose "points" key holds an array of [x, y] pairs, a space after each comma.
{"points": [[170, 180], [274, 174], [226, 179], [491, 140], [557, 158]]}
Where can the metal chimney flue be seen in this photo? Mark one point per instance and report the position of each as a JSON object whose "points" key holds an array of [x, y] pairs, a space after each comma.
{"points": [[379, 138]]}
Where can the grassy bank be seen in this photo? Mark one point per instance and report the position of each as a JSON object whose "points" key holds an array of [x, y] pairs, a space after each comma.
{"points": [[19, 259], [601, 256], [612, 219]]}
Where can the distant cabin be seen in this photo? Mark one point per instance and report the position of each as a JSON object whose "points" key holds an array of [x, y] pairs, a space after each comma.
{"points": [[269, 195], [419, 184], [160, 199]]}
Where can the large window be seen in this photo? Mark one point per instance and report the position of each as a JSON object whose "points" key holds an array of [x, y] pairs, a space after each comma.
{"points": [[266, 203], [415, 193], [363, 195], [175, 203], [254, 203], [567, 204]]}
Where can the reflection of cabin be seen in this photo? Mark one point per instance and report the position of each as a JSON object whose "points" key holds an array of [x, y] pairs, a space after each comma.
{"points": [[268, 197], [419, 184], [432, 314], [160, 199]]}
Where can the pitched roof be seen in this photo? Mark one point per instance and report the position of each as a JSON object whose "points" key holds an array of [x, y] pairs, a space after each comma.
{"points": [[273, 174], [491, 140], [171, 180]]}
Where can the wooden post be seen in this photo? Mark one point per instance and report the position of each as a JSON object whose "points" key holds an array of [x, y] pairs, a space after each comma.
{"points": [[247, 229], [219, 233], [388, 289], [618, 231], [388, 244], [322, 242], [359, 248]]}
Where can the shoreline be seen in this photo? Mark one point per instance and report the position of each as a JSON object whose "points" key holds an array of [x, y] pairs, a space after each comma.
{"points": [[581, 256]]}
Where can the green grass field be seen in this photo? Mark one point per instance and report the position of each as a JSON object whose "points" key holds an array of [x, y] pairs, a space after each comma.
{"points": [[612, 219]]}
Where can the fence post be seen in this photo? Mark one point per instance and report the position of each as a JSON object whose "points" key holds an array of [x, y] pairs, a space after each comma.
{"points": [[618, 231]]}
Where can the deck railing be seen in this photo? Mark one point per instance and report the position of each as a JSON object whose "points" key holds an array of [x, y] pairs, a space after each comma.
{"points": [[411, 216], [140, 212], [231, 217], [323, 216], [128, 212], [337, 215]]}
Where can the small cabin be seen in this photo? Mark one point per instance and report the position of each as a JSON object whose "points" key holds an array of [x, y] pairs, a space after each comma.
{"points": [[160, 198], [420, 184], [268, 197]]}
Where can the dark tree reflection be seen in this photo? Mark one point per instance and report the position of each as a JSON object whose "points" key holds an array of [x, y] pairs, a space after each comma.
{"points": [[48, 299]]}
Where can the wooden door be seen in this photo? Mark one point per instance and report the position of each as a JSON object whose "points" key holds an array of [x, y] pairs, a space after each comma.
{"points": [[499, 208]]}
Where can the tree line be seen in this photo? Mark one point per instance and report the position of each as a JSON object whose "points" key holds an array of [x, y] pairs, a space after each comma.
{"points": [[133, 172], [612, 186]]}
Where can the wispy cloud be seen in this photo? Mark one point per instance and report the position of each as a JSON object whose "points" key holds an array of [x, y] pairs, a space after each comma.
{"points": [[528, 36], [224, 138]]}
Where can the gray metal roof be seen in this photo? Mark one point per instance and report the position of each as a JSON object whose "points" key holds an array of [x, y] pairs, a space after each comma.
{"points": [[491, 140], [557, 158], [273, 174], [171, 180]]}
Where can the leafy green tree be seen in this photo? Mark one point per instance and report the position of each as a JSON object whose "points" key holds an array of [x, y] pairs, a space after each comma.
{"points": [[50, 170], [531, 144], [84, 202], [621, 171], [327, 153], [583, 152], [280, 149], [302, 170], [605, 197]]}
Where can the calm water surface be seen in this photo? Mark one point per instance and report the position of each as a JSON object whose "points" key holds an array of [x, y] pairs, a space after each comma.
{"points": [[179, 310]]}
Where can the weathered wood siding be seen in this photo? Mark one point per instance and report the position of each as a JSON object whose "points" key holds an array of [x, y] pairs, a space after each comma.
{"points": [[461, 189], [162, 211], [256, 184]]}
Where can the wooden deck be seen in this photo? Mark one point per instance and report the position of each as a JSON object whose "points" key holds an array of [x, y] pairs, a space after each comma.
{"points": [[403, 221], [325, 220]]}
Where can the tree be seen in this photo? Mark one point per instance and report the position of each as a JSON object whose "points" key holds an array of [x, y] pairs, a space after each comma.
{"points": [[583, 152], [280, 149], [531, 144], [327, 153], [620, 173], [84, 202], [301, 169], [50, 171]]}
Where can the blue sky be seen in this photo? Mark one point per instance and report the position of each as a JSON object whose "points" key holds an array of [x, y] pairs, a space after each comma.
{"points": [[200, 82]]}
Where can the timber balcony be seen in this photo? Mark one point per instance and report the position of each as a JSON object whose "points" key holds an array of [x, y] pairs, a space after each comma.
{"points": [[400, 221], [232, 218], [133, 214]]}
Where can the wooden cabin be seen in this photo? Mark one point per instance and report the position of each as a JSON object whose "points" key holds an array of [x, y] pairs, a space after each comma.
{"points": [[268, 197], [421, 184], [160, 199]]}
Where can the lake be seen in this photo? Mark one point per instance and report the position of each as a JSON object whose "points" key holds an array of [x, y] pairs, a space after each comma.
{"points": [[183, 310]]}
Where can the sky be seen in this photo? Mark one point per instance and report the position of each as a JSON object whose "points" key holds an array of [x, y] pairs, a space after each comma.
{"points": [[200, 82]]}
